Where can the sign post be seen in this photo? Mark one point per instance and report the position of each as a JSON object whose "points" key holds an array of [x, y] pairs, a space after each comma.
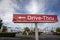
{"points": [[34, 18], [36, 32]]}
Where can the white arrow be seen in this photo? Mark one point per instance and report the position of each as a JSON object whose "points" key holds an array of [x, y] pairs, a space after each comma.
{"points": [[21, 17]]}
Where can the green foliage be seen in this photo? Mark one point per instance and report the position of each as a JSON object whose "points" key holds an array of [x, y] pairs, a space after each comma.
{"points": [[58, 29], [52, 31], [6, 34], [24, 37], [0, 23], [4, 29], [26, 29]]}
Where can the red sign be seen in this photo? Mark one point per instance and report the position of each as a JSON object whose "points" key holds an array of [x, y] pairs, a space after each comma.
{"points": [[34, 18]]}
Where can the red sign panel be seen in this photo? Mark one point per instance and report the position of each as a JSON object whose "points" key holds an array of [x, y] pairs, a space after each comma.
{"points": [[34, 18]]}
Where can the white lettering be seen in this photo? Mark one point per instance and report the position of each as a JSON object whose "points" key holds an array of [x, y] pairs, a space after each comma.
{"points": [[34, 18], [48, 18], [38, 18]]}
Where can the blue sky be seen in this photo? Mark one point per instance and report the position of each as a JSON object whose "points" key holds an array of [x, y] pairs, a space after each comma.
{"points": [[9, 7]]}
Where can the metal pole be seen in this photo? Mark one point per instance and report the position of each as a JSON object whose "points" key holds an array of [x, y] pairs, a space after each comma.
{"points": [[36, 32]]}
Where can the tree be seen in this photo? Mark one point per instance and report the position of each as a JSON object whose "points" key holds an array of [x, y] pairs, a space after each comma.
{"points": [[58, 29], [26, 30], [0, 23], [4, 29]]}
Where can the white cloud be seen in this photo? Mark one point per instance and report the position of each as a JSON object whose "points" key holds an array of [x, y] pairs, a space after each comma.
{"points": [[32, 7], [35, 7], [7, 10], [7, 18]]}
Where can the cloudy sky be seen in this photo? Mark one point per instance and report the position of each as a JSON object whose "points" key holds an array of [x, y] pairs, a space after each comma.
{"points": [[10, 7]]}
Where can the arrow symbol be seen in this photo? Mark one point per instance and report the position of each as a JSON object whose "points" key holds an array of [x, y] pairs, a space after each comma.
{"points": [[20, 17]]}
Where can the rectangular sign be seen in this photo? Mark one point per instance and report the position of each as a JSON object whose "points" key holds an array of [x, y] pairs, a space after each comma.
{"points": [[34, 18]]}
